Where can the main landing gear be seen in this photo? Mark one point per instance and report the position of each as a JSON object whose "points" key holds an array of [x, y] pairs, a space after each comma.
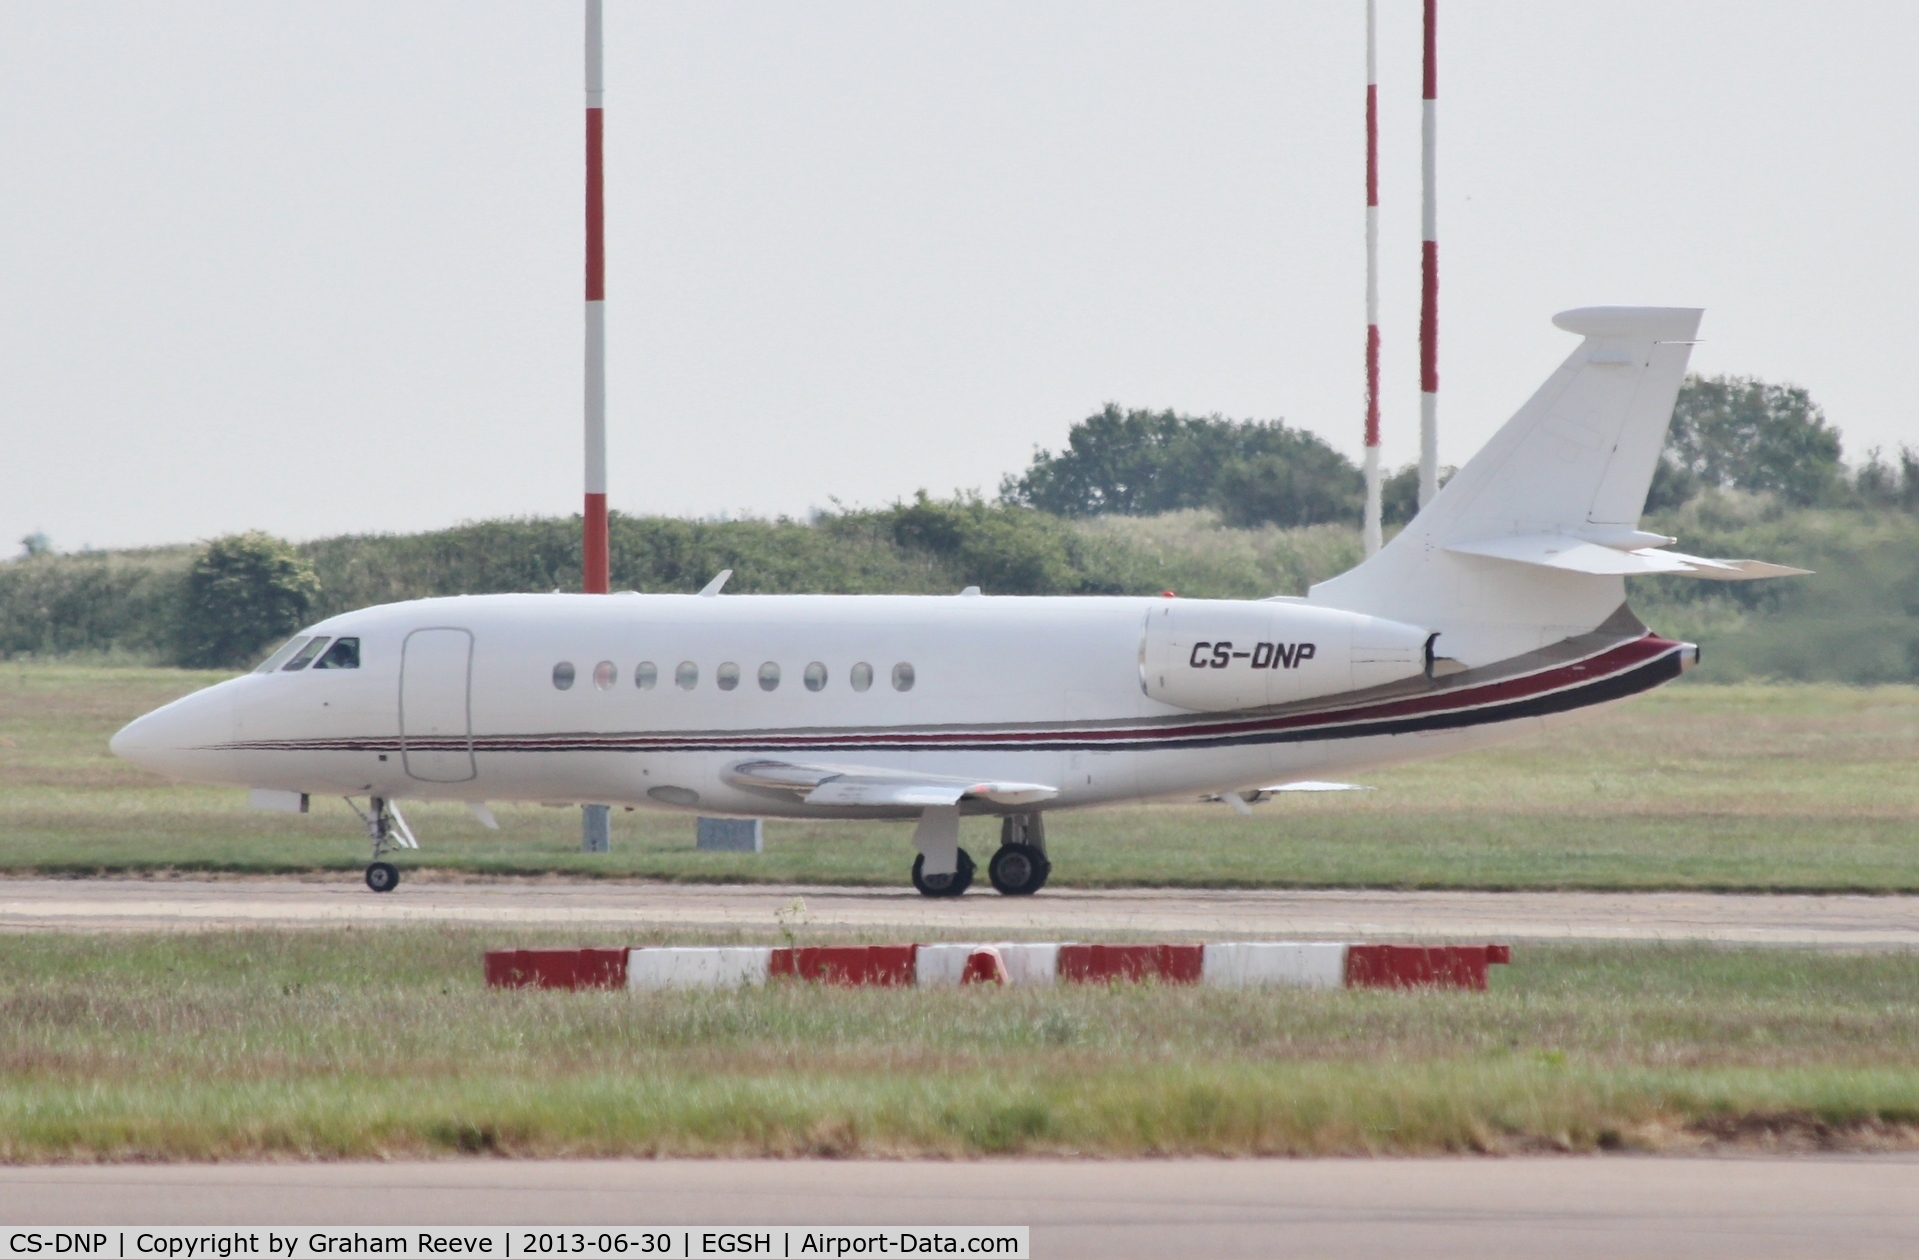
{"points": [[388, 830], [1018, 868]]}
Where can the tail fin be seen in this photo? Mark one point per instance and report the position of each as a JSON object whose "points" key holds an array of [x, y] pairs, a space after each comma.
{"points": [[1575, 462]]}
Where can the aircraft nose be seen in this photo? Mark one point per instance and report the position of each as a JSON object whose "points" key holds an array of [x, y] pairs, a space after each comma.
{"points": [[181, 740]]}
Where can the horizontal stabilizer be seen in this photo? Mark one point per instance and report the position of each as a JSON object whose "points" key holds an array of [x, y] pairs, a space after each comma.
{"points": [[824, 784], [1572, 554]]}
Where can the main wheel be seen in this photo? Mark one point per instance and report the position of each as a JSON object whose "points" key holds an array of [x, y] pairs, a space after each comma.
{"points": [[944, 885], [1018, 870], [382, 877]]}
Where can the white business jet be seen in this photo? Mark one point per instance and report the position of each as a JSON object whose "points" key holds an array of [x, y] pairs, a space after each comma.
{"points": [[1498, 610]]}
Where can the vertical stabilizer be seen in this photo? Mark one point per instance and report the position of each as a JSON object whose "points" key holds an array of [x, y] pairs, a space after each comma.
{"points": [[1577, 460]]}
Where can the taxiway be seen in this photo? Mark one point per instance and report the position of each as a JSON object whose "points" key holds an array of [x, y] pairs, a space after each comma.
{"points": [[1570, 1207], [1846, 922]]}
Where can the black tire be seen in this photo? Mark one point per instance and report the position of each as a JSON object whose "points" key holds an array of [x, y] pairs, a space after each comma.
{"points": [[1018, 870], [382, 876], [944, 885]]}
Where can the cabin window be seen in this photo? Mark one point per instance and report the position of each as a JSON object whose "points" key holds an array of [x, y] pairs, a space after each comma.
{"points": [[770, 676], [605, 674], [687, 676], [903, 676], [727, 676], [563, 675], [646, 676], [279, 657], [815, 676], [344, 654], [305, 656], [861, 676]]}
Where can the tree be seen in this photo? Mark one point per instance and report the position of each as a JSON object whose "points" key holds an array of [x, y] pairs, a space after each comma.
{"points": [[242, 592], [1742, 433], [1006, 549], [1142, 463], [1309, 485], [1399, 493], [1880, 484]]}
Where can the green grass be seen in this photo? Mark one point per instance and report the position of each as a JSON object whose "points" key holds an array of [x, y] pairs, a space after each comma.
{"points": [[336, 1044], [1750, 786]]}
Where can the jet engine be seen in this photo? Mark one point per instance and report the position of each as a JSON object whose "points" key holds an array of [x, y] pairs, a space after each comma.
{"points": [[1214, 655]]}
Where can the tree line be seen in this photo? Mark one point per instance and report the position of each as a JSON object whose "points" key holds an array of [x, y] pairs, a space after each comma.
{"points": [[1727, 433], [1136, 502], [223, 603]]}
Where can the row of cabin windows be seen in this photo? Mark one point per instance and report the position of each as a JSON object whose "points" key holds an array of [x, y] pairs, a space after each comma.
{"points": [[299, 652], [646, 676]]}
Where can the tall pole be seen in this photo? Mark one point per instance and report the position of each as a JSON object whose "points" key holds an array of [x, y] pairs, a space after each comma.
{"points": [[1429, 273], [1372, 525], [595, 820], [593, 549]]}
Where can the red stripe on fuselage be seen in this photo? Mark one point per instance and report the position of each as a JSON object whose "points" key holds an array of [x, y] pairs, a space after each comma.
{"points": [[1612, 663]]}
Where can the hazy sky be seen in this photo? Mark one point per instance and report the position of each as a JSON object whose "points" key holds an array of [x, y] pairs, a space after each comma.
{"points": [[316, 268]]}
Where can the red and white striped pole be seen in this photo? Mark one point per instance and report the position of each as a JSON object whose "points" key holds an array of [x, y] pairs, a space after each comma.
{"points": [[1372, 523], [595, 820], [1429, 273], [594, 578]]}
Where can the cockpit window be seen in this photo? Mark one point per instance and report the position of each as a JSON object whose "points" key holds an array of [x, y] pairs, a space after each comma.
{"points": [[279, 657], [306, 654], [344, 654]]}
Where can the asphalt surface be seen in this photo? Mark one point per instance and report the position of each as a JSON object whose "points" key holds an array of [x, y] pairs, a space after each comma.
{"points": [[1849, 922], [1570, 1207]]}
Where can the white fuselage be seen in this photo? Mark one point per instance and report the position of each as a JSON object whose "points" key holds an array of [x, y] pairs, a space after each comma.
{"points": [[458, 698]]}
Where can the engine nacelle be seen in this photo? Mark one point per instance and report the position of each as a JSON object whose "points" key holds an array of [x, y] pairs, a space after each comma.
{"points": [[1218, 654]]}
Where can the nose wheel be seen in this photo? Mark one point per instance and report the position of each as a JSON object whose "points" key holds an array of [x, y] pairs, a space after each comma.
{"points": [[944, 885], [388, 830]]}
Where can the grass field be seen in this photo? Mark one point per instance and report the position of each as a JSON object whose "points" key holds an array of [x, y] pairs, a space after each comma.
{"points": [[1792, 787], [326, 1044]]}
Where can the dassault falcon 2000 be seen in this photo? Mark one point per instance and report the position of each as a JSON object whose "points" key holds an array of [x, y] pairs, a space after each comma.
{"points": [[1499, 609]]}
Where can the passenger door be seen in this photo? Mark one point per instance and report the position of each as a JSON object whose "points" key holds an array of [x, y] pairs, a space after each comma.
{"points": [[436, 723]]}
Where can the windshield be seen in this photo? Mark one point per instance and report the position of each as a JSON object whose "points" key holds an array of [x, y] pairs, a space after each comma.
{"points": [[344, 654], [306, 654], [279, 658]]}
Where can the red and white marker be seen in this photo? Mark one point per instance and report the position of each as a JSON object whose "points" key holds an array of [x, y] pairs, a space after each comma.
{"points": [[1429, 273], [593, 550], [1219, 964], [595, 820], [1372, 522]]}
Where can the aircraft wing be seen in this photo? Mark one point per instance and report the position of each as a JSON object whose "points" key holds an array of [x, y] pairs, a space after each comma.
{"points": [[820, 783], [1316, 785], [1243, 802], [1578, 555]]}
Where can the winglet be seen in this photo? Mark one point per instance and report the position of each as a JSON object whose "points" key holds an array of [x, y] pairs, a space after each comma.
{"points": [[719, 580]]}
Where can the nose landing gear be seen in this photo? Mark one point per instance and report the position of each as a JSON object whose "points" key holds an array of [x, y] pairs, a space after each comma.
{"points": [[944, 885], [387, 828]]}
